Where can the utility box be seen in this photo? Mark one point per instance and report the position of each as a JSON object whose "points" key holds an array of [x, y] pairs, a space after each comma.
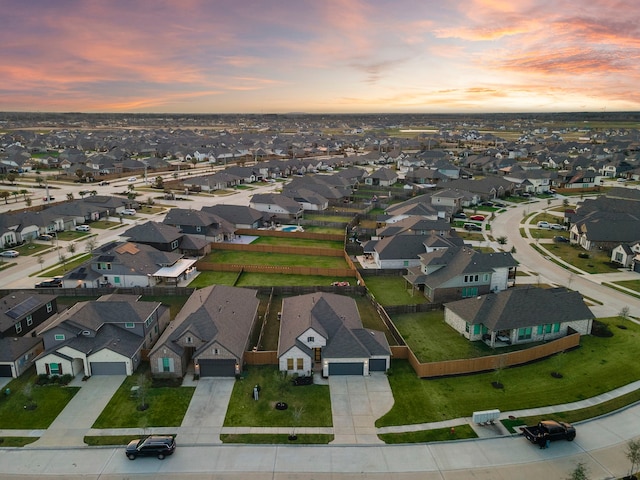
{"points": [[485, 417]]}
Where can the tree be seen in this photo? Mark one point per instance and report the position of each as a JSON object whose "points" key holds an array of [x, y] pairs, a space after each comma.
{"points": [[93, 193], [143, 389], [15, 195], [194, 161], [70, 196], [28, 202], [3, 177], [24, 194], [565, 203], [63, 260], [624, 312], [579, 473], [71, 248], [502, 240], [40, 260], [89, 176], [159, 182], [39, 180], [90, 245], [633, 454], [11, 177], [80, 174], [5, 195]]}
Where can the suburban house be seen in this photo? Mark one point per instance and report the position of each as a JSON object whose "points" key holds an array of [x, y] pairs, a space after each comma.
{"points": [[324, 332], [211, 332], [22, 311], [128, 264], [240, 216], [461, 272], [17, 354], [275, 205], [421, 206], [627, 255], [198, 222], [101, 337], [605, 229], [167, 238], [520, 315], [383, 177], [404, 250]]}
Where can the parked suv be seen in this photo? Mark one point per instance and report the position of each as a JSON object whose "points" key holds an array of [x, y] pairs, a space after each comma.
{"points": [[472, 227], [153, 446]]}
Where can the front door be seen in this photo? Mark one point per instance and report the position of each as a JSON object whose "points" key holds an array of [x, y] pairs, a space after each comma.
{"points": [[317, 355]]}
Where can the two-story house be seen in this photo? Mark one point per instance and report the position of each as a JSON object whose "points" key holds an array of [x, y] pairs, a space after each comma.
{"points": [[461, 272], [324, 332], [101, 337]]}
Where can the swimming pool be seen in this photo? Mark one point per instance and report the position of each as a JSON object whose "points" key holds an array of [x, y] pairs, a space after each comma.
{"points": [[291, 228]]}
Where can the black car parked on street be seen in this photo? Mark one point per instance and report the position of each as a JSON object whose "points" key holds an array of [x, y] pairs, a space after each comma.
{"points": [[152, 446]]}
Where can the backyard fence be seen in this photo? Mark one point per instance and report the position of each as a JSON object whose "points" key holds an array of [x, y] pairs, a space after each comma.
{"points": [[288, 250], [492, 362]]}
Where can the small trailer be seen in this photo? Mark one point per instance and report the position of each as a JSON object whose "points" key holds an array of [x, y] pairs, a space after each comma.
{"points": [[486, 417]]}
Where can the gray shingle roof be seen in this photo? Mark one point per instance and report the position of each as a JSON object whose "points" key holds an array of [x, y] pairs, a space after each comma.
{"points": [[333, 316], [522, 307], [217, 313]]}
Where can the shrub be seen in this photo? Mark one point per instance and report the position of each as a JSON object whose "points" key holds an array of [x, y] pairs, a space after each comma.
{"points": [[43, 379], [66, 379], [583, 255], [600, 329], [54, 379]]}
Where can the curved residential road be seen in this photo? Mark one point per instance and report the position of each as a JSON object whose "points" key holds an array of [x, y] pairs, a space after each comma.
{"points": [[600, 445], [508, 224]]}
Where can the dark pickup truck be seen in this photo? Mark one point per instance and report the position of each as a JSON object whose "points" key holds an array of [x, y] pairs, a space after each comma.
{"points": [[547, 431]]}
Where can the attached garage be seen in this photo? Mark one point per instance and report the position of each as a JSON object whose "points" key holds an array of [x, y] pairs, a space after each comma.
{"points": [[108, 368], [378, 365], [352, 368], [217, 368], [5, 371]]}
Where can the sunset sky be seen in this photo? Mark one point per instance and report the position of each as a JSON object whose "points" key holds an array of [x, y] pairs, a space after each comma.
{"points": [[333, 56]]}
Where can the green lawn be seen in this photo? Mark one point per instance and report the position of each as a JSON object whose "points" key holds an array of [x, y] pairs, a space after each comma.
{"points": [[436, 435], [70, 264], [630, 284], [275, 259], [328, 218], [311, 403], [276, 439], [279, 279], [319, 229], [392, 290], [298, 242], [598, 366], [206, 278], [16, 441], [105, 224], [598, 261], [70, 235], [49, 400], [432, 340], [32, 248], [167, 406]]}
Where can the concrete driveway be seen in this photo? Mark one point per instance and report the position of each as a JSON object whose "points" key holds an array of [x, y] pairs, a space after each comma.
{"points": [[75, 420], [205, 416], [356, 403]]}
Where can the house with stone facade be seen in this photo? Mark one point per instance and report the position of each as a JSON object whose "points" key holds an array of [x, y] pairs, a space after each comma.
{"points": [[211, 333]]}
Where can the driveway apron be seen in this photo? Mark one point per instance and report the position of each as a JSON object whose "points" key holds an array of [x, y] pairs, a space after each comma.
{"points": [[356, 403], [205, 416], [72, 424]]}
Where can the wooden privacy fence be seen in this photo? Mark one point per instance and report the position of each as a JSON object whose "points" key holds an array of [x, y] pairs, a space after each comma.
{"points": [[264, 357], [493, 362], [289, 250], [292, 270], [278, 233]]}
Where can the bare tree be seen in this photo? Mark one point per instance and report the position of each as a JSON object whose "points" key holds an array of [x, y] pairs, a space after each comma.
{"points": [[579, 473], [40, 260], [633, 454]]}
